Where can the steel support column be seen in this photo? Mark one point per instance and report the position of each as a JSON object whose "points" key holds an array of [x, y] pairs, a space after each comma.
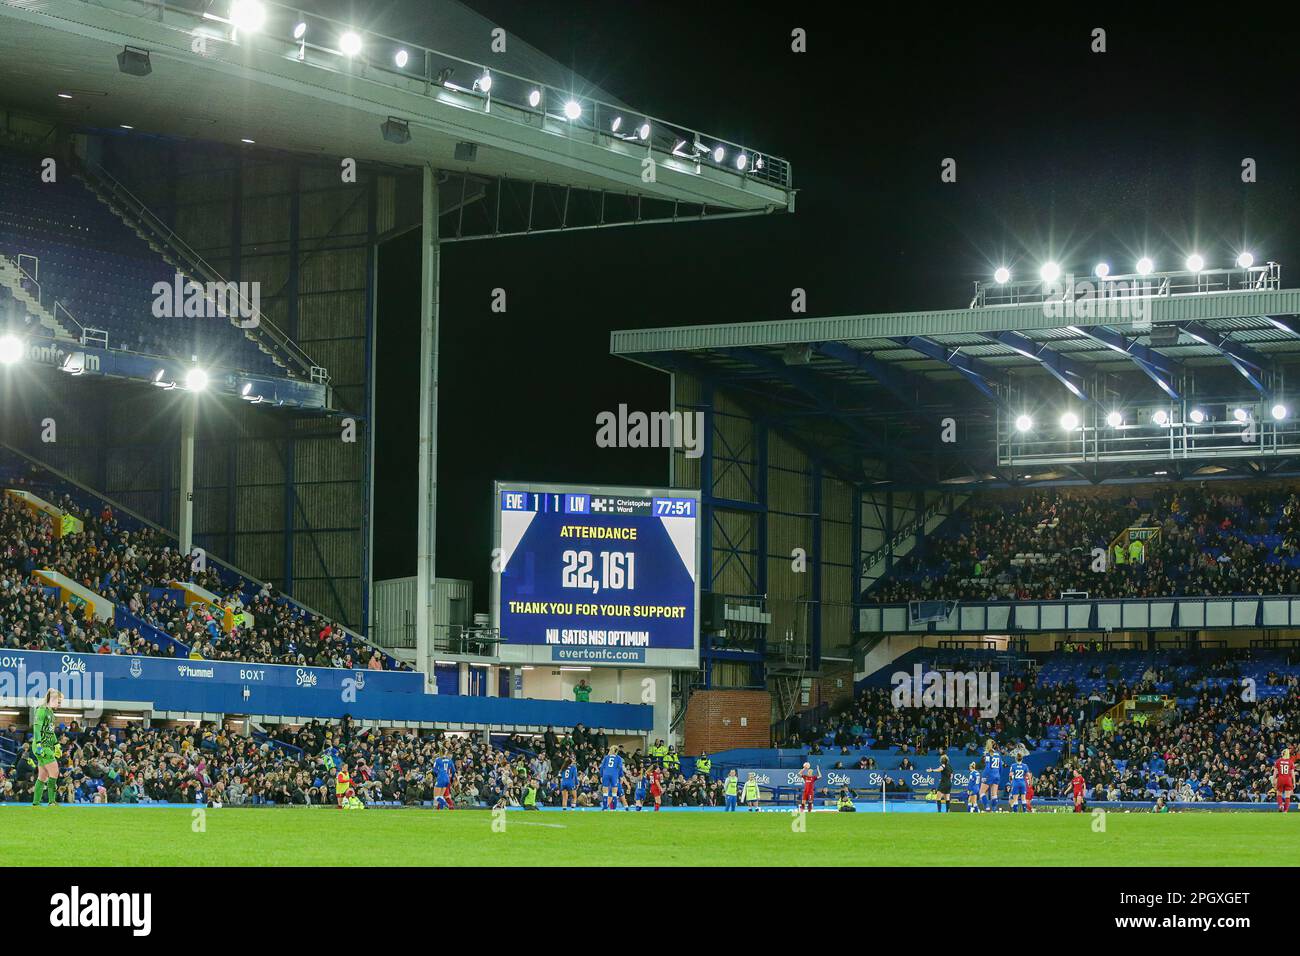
{"points": [[426, 547], [189, 422]]}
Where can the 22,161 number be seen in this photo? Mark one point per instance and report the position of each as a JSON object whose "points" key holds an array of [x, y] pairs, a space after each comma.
{"points": [[617, 571]]}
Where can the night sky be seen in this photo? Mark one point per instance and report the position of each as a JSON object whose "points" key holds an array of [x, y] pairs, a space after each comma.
{"points": [[1060, 152]]}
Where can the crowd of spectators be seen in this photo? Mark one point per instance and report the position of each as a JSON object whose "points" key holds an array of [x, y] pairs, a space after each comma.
{"points": [[211, 765], [1212, 541], [135, 567], [1217, 743]]}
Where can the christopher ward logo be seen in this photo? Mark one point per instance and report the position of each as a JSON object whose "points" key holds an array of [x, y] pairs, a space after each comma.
{"points": [[962, 690], [77, 909]]}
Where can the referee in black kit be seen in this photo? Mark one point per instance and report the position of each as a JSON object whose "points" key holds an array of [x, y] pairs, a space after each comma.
{"points": [[945, 781]]}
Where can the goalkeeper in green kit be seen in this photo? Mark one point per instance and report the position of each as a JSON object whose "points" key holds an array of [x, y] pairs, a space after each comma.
{"points": [[46, 749]]}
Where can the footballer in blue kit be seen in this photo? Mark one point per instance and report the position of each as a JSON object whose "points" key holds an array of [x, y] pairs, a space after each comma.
{"points": [[973, 789], [569, 786], [1019, 778], [992, 776], [444, 769], [611, 778]]}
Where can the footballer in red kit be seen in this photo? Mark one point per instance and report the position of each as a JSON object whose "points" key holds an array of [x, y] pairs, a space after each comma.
{"points": [[656, 785], [1076, 783], [1284, 779], [810, 778]]}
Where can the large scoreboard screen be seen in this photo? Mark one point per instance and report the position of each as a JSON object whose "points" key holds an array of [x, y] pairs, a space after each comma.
{"points": [[597, 575]]}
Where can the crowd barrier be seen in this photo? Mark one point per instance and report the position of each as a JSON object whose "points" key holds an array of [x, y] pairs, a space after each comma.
{"points": [[277, 690]]}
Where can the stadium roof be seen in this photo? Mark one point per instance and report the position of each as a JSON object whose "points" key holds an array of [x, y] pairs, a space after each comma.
{"points": [[209, 82], [864, 394]]}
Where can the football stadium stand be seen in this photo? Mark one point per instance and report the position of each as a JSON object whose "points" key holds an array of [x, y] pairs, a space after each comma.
{"points": [[1205, 540], [155, 591], [65, 244], [1190, 726], [210, 765]]}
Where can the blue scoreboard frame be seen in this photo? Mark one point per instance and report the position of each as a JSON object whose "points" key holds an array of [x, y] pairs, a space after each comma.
{"points": [[596, 575]]}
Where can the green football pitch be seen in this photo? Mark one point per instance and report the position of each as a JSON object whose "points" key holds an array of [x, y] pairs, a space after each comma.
{"points": [[112, 836]]}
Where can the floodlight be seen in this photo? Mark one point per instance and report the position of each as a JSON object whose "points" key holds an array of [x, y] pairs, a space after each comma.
{"points": [[1240, 414], [395, 130], [1024, 423], [1001, 275], [1279, 411], [350, 43], [248, 16], [1069, 421], [1245, 260], [719, 154], [644, 131], [1195, 263], [196, 380], [401, 58], [742, 161], [1114, 419], [1196, 415], [1102, 270], [11, 349], [616, 125], [572, 109], [1145, 266], [299, 30], [484, 83], [1050, 272], [534, 97], [1160, 417], [134, 62]]}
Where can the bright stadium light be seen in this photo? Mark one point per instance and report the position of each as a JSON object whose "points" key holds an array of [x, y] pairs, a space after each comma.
{"points": [[11, 349], [1245, 260], [1160, 417], [1001, 275], [741, 162], [1145, 266], [572, 110], [534, 97], [1240, 414], [1195, 263], [1279, 412], [350, 43], [1024, 423], [616, 125], [719, 154], [1114, 419], [248, 16], [299, 30], [1196, 415], [196, 380], [1102, 270], [1050, 272], [1069, 421], [401, 58], [484, 83], [644, 131]]}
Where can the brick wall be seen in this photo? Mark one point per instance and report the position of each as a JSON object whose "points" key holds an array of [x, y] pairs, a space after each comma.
{"points": [[714, 720]]}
